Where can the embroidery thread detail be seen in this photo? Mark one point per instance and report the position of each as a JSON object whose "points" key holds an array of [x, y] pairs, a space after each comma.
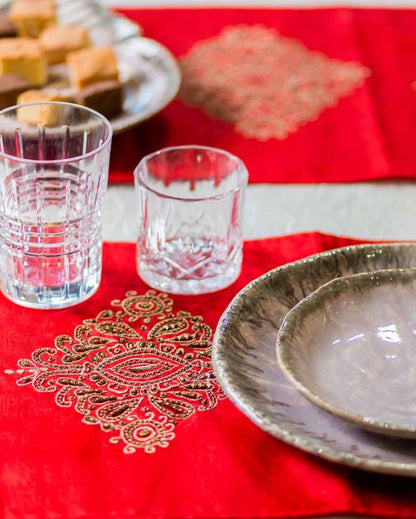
{"points": [[266, 84], [135, 370]]}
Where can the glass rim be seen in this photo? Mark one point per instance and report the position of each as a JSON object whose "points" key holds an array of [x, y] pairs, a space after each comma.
{"points": [[240, 166], [67, 160]]}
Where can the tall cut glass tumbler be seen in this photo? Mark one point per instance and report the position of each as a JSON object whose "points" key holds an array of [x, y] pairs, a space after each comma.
{"points": [[190, 201], [53, 178]]}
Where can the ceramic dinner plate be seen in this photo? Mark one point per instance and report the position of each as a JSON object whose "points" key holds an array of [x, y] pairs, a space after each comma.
{"points": [[350, 347], [245, 361], [149, 72]]}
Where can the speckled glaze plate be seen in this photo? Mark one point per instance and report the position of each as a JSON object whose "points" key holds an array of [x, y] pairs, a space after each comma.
{"points": [[350, 347], [245, 361]]}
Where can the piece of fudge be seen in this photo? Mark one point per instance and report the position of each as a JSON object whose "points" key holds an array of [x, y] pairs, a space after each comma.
{"points": [[42, 113], [105, 97], [24, 57], [11, 86], [89, 66], [32, 17], [57, 41], [7, 27]]}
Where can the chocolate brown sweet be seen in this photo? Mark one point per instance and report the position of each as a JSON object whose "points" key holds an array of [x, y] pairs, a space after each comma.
{"points": [[104, 97], [7, 27], [11, 86]]}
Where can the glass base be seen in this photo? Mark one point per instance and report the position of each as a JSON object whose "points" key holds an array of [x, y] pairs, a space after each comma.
{"points": [[188, 286], [51, 298]]}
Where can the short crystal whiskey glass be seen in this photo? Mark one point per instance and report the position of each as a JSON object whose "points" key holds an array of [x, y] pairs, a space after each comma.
{"points": [[190, 203]]}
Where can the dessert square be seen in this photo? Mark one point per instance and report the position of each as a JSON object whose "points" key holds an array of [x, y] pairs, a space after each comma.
{"points": [[11, 86], [58, 40], [89, 66], [32, 17], [23, 56], [45, 95], [39, 114], [105, 97]]}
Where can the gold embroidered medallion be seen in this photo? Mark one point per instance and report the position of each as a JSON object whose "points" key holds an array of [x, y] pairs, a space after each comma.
{"points": [[135, 370], [265, 84]]}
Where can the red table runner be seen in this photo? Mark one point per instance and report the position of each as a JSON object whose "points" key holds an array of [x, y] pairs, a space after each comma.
{"points": [[322, 95], [116, 413]]}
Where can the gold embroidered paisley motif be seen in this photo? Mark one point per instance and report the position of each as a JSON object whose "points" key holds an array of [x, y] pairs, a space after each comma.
{"points": [[267, 85], [134, 370]]}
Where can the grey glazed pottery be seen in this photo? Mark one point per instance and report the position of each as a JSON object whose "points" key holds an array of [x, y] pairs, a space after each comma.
{"points": [[350, 347], [245, 361]]}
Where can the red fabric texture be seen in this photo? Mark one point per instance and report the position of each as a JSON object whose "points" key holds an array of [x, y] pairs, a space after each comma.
{"points": [[367, 135], [219, 465]]}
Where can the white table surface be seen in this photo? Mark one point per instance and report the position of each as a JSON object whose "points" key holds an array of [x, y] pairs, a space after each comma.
{"points": [[382, 211]]}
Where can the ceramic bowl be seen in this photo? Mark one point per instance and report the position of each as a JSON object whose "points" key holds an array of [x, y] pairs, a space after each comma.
{"points": [[350, 347], [245, 361]]}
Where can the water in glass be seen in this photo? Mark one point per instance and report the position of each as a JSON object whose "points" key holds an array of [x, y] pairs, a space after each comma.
{"points": [[50, 224], [190, 207]]}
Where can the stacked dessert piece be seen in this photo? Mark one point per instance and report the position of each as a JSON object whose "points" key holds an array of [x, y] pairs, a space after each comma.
{"points": [[35, 50]]}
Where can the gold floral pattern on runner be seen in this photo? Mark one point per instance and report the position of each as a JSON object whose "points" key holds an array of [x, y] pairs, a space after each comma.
{"points": [[135, 370], [266, 84]]}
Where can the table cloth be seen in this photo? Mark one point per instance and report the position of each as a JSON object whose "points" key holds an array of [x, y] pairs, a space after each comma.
{"points": [[318, 95], [110, 409]]}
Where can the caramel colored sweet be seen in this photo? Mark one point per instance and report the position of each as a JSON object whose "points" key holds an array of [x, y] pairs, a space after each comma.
{"points": [[7, 28], [105, 97], [43, 96], [11, 86], [23, 56], [57, 41], [39, 114], [93, 65], [32, 17]]}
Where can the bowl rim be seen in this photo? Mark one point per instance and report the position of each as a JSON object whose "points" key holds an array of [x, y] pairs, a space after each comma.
{"points": [[311, 304]]}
